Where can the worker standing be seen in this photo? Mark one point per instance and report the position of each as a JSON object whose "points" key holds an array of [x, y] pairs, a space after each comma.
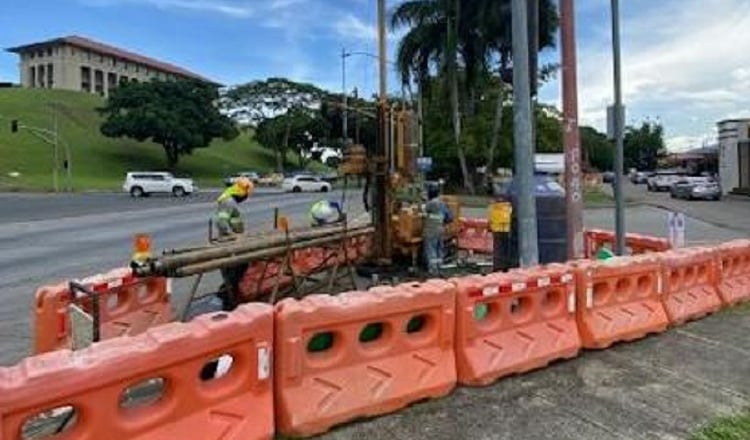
{"points": [[229, 221], [228, 218], [325, 212], [437, 215]]}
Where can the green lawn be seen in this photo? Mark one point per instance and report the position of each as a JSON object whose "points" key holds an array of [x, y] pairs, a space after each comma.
{"points": [[726, 428], [100, 162]]}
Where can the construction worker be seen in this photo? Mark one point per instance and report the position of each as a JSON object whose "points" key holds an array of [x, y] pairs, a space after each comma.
{"points": [[325, 212], [229, 221], [228, 218], [437, 215]]}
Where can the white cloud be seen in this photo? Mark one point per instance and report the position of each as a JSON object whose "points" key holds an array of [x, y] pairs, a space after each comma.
{"points": [[235, 9], [352, 27], [683, 61]]}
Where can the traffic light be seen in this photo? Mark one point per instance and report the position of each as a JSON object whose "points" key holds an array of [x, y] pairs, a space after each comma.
{"points": [[14, 126]]}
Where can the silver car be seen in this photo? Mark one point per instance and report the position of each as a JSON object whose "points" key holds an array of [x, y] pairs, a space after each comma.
{"points": [[690, 188]]}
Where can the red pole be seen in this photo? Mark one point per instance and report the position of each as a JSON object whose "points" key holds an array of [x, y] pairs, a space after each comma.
{"points": [[571, 137]]}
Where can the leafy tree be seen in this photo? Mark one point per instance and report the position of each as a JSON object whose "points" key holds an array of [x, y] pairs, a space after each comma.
{"points": [[264, 100], [598, 152], [179, 115], [644, 145]]}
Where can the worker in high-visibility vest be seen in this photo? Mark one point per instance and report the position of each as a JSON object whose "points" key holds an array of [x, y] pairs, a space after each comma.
{"points": [[437, 215], [325, 212], [228, 218], [229, 221]]}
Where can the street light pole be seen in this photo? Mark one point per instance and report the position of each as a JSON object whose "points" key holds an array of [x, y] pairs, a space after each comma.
{"points": [[522, 146], [345, 117], [618, 132]]}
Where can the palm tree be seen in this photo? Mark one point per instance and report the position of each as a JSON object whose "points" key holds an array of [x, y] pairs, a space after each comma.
{"points": [[475, 32]]}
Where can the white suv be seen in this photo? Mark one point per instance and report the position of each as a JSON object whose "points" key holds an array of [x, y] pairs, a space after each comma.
{"points": [[305, 183], [140, 184]]}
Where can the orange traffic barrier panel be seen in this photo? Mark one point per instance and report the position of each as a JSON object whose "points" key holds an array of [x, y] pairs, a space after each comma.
{"points": [[474, 235], [733, 271], [207, 379], [619, 300], [689, 276], [361, 354], [514, 322], [127, 306], [595, 239]]}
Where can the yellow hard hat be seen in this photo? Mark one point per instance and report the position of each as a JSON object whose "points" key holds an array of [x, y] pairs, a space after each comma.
{"points": [[244, 186]]}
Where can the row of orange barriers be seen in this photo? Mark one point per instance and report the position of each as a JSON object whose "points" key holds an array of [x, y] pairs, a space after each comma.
{"points": [[306, 365], [595, 239], [129, 306]]}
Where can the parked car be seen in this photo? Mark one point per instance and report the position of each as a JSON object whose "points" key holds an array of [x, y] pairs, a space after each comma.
{"points": [[303, 182], [252, 175], [272, 179], [690, 188], [608, 177], [639, 177], [663, 180], [144, 183]]}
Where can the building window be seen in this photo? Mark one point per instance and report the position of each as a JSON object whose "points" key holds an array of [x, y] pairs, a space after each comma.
{"points": [[137, 68], [50, 76], [40, 54], [49, 51], [99, 82], [72, 50], [88, 55], [32, 76], [85, 79], [111, 81], [114, 62], [40, 75], [124, 79]]}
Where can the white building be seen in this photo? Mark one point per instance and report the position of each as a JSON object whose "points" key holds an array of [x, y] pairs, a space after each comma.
{"points": [[734, 154]]}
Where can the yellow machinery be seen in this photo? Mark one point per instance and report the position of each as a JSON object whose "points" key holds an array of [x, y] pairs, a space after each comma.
{"points": [[397, 185]]}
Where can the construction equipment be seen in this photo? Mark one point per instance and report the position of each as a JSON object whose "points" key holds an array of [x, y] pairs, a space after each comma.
{"points": [[394, 188]]}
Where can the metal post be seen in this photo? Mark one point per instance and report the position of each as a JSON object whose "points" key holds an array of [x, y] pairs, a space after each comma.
{"points": [[527, 234], [55, 156], [344, 118], [571, 135], [533, 26], [618, 121]]}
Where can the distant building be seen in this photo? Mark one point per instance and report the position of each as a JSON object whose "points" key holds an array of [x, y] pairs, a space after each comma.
{"points": [[734, 155], [77, 63]]}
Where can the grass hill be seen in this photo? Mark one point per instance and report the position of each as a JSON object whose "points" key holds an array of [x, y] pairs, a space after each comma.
{"points": [[100, 162]]}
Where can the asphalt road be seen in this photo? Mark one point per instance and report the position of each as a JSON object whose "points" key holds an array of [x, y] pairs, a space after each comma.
{"points": [[66, 237], [661, 387]]}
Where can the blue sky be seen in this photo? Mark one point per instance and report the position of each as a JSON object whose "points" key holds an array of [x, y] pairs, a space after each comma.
{"points": [[685, 61]]}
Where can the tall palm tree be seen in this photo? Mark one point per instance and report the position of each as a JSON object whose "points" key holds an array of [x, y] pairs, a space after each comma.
{"points": [[443, 33]]}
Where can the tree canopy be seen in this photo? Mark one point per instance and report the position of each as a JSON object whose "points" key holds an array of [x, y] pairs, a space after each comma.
{"points": [[178, 115], [644, 145]]}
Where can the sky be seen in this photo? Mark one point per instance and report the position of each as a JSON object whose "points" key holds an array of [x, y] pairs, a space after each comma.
{"points": [[684, 61]]}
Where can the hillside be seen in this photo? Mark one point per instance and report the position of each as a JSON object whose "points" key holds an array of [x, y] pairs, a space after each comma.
{"points": [[100, 162]]}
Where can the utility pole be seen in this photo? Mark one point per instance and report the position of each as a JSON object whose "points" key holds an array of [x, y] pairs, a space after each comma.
{"points": [[571, 135], [522, 146], [533, 25], [618, 129], [344, 119]]}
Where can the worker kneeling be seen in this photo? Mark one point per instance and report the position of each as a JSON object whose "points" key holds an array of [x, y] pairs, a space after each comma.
{"points": [[325, 212], [437, 215]]}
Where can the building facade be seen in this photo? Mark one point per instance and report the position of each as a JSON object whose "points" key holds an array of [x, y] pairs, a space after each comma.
{"points": [[734, 155], [77, 63]]}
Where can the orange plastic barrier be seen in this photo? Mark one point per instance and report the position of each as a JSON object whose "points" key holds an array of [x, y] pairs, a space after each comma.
{"points": [[515, 322], [474, 235], [361, 354], [733, 270], [127, 306], [689, 276], [619, 300], [595, 239], [101, 384]]}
